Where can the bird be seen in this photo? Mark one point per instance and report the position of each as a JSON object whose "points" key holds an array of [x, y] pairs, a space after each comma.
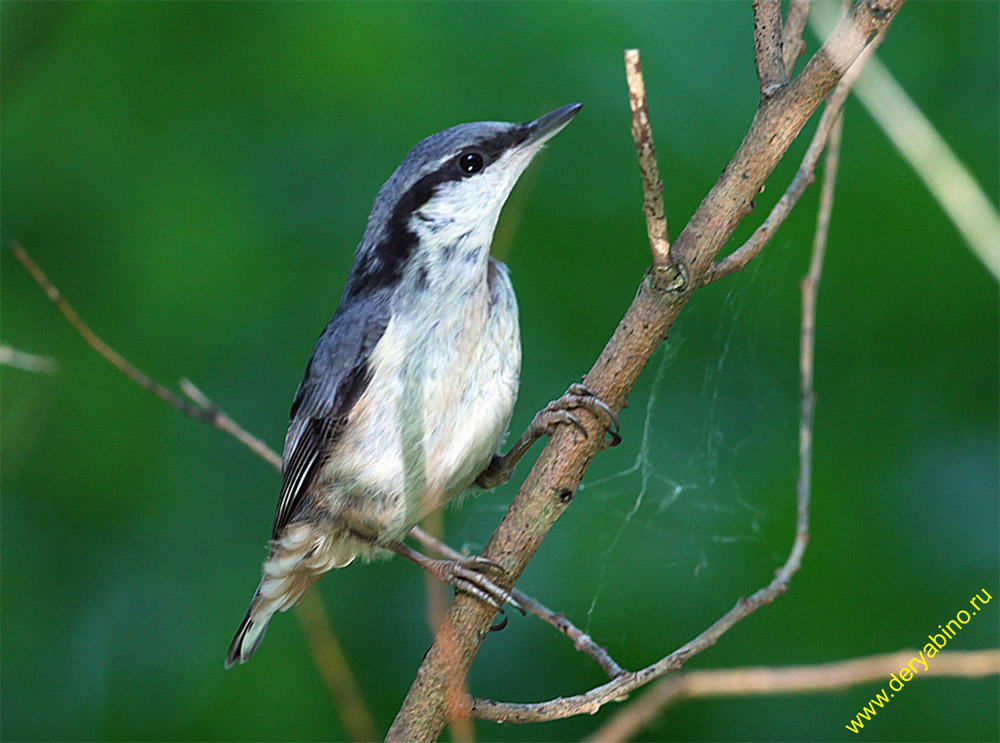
{"points": [[408, 395]]}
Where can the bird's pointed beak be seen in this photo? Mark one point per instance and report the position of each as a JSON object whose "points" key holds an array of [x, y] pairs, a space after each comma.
{"points": [[545, 127]]}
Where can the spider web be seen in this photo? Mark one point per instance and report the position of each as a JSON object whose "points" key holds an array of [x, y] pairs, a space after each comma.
{"points": [[693, 503], [680, 510]]}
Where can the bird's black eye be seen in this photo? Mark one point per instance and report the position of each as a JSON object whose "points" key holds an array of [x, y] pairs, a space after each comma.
{"points": [[470, 162]]}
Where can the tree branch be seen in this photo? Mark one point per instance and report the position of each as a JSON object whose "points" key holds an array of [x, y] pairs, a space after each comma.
{"points": [[552, 482], [768, 54], [761, 681], [652, 186]]}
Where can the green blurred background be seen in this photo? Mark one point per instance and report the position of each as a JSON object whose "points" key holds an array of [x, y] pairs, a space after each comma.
{"points": [[194, 177]]}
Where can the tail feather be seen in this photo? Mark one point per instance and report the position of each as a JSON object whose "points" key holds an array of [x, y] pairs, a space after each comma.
{"points": [[250, 634], [297, 561]]}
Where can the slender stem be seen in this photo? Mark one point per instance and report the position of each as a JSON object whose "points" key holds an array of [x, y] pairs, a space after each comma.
{"points": [[652, 186], [769, 56], [328, 657]]}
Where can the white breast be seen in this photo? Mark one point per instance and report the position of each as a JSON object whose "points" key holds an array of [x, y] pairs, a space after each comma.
{"points": [[445, 378]]}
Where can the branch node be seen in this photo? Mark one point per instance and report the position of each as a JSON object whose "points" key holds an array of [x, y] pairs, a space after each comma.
{"points": [[672, 279]]}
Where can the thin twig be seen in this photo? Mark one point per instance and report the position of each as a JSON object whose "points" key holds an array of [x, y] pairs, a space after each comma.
{"points": [[795, 24], [652, 186], [217, 418], [581, 640], [769, 58], [766, 680], [323, 644], [805, 176], [100, 346]]}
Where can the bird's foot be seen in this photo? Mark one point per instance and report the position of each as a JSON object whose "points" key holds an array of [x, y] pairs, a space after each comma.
{"points": [[545, 422], [578, 396], [468, 574]]}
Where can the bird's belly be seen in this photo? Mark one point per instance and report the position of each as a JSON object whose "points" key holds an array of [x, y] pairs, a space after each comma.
{"points": [[436, 410]]}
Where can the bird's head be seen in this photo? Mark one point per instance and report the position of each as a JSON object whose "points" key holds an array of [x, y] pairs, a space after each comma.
{"points": [[449, 188]]}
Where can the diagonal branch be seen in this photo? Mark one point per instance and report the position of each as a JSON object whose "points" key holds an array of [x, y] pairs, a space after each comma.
{"points": [[201, 409], [652, 186], [551, 484], [768, 53]]}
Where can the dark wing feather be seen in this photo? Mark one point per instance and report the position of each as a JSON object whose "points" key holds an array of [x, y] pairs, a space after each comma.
{"points": [[337, 375]]}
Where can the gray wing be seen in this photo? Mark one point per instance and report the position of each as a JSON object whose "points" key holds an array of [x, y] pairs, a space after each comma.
{"points": [[337, 375]]}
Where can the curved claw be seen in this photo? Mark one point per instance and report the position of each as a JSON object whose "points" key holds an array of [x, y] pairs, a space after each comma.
{"points": [[544, 424], [484, 561], [500, 624], [611, 443], [465, 574], [590, 400]]}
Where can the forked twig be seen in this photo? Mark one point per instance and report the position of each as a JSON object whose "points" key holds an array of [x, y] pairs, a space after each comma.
{"points": [[561, 464], [805, 176]]}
